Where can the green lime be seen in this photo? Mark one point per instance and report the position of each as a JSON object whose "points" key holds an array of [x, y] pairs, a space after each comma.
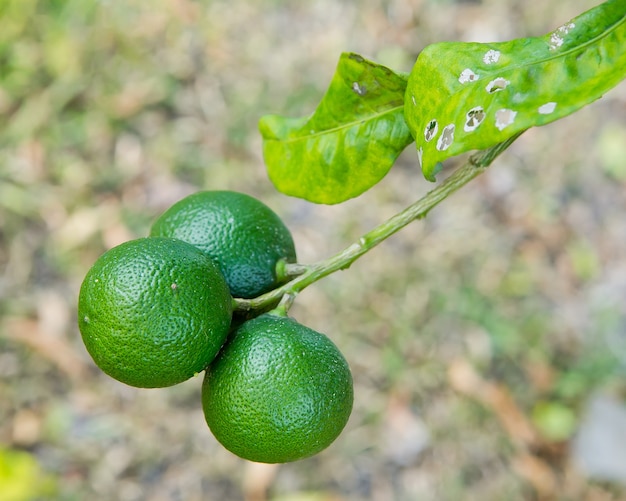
{"points": [[278, 391], [153, 312], [243, 235]]}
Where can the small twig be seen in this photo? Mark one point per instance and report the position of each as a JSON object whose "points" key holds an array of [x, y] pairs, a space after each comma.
{"points": [[306, 275]]}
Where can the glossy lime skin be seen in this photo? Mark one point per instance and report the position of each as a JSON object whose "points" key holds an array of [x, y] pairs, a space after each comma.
{"points": [[153, 312], [243, 235], [277, 392]]}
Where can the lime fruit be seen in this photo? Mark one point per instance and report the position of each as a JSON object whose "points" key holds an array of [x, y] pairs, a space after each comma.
{"points": [[243, 235], [277, 391], [154, 311]]}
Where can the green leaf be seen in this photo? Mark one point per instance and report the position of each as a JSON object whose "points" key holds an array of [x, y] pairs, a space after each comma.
{"points": [[348, 144], [466, 96]]}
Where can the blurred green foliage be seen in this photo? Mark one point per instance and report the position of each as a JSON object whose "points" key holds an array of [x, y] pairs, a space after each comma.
{"points": [[22, 478]]}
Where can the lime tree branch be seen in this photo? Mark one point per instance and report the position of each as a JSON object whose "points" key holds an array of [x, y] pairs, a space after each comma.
{"points": [[305, 275]]}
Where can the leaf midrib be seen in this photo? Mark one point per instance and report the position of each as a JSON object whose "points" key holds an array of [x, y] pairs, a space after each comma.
{"points": [[346, 125]]}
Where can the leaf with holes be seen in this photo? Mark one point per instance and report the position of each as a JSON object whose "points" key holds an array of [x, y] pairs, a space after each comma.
{"points": [[348, 144], [467, 96]]}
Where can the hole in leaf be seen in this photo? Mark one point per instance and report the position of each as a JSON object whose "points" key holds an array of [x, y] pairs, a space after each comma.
{"points": [[497, 85], [504, 118], [474, 118], [446, 138], [431, 130]]}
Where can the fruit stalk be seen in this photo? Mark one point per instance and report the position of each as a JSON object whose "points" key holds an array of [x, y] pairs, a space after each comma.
{"points": [[309, 274]]}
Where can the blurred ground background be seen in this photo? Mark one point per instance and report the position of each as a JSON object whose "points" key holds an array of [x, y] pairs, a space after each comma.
{"points": [[487, 342]]}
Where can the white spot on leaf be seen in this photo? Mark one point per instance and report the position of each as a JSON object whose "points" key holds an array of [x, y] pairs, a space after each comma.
{"points": [[555, 41], [446, 138], [566, 28], [474, 118], [431, 130], [556, 38], [497, 85], [504, 118], [546, 109], [413, 100], [467, 75], [359, 88], [491, 57]]}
